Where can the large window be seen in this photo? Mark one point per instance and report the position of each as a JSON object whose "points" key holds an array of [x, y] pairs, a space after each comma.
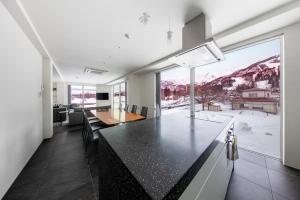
{"points": [[83, 95], [245, 85], [120, 95], [175, 89]]}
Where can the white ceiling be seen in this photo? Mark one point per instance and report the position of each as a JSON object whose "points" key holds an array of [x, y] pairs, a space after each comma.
{"points": [[56, 77], [81, 33]]}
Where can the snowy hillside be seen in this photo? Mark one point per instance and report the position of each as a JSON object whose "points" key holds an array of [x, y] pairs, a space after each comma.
{"points": [[262, 74]]}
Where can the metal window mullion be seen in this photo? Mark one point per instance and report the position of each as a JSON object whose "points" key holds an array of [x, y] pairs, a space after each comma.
{"points": [[192, 91], [82, 90]]}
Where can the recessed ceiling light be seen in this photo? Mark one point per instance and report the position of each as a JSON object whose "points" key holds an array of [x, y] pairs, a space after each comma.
{"points": [[169, 33], [126, 35]]}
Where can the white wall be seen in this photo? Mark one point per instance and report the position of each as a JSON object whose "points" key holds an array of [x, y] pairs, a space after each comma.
{"points": [[292, 97], [47, 98], [54, 94], [141, 91], [61, 93], [21, 100], [104, 89], [133, 90]]}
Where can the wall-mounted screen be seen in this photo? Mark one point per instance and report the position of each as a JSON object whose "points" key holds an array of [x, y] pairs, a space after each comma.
{"points": [[102, 96]]}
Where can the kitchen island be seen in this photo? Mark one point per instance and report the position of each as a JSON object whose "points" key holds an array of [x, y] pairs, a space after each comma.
{"points": [[170, 157]]}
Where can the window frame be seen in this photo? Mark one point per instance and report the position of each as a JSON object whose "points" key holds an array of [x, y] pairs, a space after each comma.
{"points": [[120, 101], [83, 91]]}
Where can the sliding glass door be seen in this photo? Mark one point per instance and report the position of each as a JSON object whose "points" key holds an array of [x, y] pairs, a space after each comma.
{"points": [[89, 96], [116, 96], [83, 95], [123, 94], [245, 85], [120, 95], [175, 90]]}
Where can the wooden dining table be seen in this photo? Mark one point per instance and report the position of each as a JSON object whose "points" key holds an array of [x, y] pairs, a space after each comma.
{"points": [[115, 116]]}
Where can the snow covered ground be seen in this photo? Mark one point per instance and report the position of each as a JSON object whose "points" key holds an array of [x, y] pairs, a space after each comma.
{"points": [[256, 131]]}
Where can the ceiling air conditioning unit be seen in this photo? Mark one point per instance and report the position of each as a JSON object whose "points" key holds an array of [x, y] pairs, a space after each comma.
{"points": [[90, 70]]}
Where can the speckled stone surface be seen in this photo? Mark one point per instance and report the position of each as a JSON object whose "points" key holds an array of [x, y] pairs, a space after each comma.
{"points": [[160, 152]]}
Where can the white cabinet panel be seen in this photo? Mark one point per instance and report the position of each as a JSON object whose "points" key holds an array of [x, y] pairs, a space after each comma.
{"points": [[216, 186]]}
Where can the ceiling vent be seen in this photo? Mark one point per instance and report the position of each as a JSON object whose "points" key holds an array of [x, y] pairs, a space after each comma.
{"points": [[90, 70]]}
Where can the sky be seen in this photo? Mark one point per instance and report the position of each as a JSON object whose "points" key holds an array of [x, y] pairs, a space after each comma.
{"points": [[233, 61]]}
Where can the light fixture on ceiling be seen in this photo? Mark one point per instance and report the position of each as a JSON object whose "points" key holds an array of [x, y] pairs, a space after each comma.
{"points": [[126, 35], [169, 32], [90, 70], [144, 18]]}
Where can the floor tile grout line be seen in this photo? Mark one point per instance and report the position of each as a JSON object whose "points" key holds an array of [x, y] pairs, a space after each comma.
{"points": [[250, 161], [93, 184], [253, 181], [269, 189], [260, 154], [269, 178], [266, 164], [280, 171], [44, 169], [286, 198]]}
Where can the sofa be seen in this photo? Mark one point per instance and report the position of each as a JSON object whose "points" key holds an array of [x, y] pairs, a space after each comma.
{"points": [[59, 117], [76, 114], [76, 117]]}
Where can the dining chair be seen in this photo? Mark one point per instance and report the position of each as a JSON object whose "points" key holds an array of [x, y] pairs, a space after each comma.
{"points": [[134, 108], [144, 111], [90, 115], [126, 108], [91, 137], [89, 127]]}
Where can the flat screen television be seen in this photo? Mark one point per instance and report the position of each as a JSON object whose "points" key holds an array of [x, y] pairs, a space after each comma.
{"points": [[102, 96]]}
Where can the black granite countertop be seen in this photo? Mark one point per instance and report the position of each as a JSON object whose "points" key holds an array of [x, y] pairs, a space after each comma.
{"points": [[158, 152]]}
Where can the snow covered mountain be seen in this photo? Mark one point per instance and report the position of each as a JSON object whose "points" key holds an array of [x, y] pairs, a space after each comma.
{"points": [[262, 74]]}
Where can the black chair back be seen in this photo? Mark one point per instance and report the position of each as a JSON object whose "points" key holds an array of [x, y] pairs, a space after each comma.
{"points": [[134, 108], [84, 128], [59, 117], [144, 111], [126, 108], [90, 143]]}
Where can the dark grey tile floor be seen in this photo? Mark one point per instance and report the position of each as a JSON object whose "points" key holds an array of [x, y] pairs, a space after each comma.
{"points": [[59, 171], [262, 178]]}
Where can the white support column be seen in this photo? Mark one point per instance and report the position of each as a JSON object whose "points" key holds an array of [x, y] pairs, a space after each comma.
{"points": [[192, 91], [47, 94]]}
